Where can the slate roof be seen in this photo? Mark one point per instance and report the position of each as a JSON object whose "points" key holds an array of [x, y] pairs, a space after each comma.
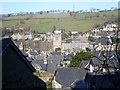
{"points": [[51, 66], [41, 33], [67, 76], [68, 57], [40, 63], [33, 52], [53, 62], [41, 57], [8, 42], [79, 84], [59, 57], [85, 65], [106, 80], [103, 41], [99, 34], [55, 53], [98, 58], [76, 39], [96, 61]]}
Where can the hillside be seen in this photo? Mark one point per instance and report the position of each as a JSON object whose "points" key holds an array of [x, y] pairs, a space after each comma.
{"points": [[44, 23]]}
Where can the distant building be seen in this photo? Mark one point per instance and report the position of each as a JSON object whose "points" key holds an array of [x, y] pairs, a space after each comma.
{"points": [[74, 32], [57, 31], [95, 30], [98, 62], [110, 27], [103, 44], [26, 35], [49, 37], [82, 46], [98, 35]]}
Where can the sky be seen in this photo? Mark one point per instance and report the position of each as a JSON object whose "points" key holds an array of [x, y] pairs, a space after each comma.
{"points": [[13, 6]]}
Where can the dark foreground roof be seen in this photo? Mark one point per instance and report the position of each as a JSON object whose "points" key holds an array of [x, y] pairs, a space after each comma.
{"points": [[8, 42], [79, 84], [107, 80]]}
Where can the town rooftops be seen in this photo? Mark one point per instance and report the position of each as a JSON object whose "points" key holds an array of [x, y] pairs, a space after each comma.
{"points": [[98, 58]]}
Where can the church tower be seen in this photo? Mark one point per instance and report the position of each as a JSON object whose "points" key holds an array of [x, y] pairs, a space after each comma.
{"points": [[57, 39]]}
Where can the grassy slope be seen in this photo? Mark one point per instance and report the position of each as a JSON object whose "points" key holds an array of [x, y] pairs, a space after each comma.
{"points": [[81, 22]]}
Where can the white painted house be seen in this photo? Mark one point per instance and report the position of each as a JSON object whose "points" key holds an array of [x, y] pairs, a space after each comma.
{"points": [[74, 32], [26, 35], [110, 27], [57, 31]]}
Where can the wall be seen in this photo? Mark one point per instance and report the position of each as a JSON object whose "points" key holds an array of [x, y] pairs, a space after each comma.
{"points": [[56, 84]]}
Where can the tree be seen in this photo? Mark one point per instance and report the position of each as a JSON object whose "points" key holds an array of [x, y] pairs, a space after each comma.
{"points": [[71, 14], [92, 39], [80, 56], [102, 37], [57, 49], [54, 27], [22, 22], [115, 40], [88, 49]]}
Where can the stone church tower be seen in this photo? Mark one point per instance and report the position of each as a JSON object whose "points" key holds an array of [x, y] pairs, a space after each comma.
{"points": [[57, 40]]}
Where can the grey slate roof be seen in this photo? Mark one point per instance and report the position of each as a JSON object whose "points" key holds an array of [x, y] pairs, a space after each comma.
{"points": [[40, 63], [79, 84], [85, 65], [52, 65], [53, 62], [111, 80], [68, 57], [103, 41], [112, 61], [41, 57], [8, 42], [96, 61], [55, 53], [32, 52], [67, 76]]}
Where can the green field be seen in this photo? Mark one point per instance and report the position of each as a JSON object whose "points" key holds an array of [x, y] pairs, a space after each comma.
{"points": [[44, 23]]}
